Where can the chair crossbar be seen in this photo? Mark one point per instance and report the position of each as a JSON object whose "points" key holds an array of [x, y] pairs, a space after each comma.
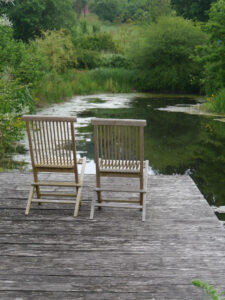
{"points": [[119, 205], [54, 201], [120, 190], [51, 183], [59, 194]]}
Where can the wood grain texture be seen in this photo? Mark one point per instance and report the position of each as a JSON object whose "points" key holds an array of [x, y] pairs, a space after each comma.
{"points": [[51, 255]]}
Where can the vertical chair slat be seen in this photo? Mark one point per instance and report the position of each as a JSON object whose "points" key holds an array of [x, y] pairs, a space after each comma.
{"points": [[118, 145], [136, 141], [38, 142], [105, 152], [58, 143], [51, 128], [41, 142], [32, 139], [69, 145], [125, 128], [115, 147], [65, 143], [62, 143], [108, 146], [55, 143], [112, 139], [45, 142], [48, 140], [101, 147]]}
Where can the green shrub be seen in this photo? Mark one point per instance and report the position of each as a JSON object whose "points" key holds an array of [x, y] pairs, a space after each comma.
{"points": [[115, 61], [96, 41], [213, 54], [166, 54], [88, 59], [30, 18], [57, 51], [11, 51], [15, 100], [216, 103], [208, 290], [108, 10]]}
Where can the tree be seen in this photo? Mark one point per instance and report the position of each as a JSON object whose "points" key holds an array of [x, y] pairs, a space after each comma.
{"points": [[165, 54], [213, 55], [30, 17], [192, 9], [157, 8], [108, 10], [80, 6]]}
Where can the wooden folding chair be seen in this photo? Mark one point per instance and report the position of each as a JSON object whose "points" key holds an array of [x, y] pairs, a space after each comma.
{"points": [[52, 149], [119, 152]]}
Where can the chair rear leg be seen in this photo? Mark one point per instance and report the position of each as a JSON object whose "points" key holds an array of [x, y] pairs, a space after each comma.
{"points": [[79, 189], [37, 186], [144, 209], [78, 202], [145, 194], [98, 185], [29, 200], [92, 209]]}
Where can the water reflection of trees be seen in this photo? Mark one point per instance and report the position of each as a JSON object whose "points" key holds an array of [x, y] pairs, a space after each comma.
{"points": [[177, 143]]}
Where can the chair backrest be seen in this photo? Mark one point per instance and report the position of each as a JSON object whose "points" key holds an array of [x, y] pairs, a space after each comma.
{"points": [[51, 141], [119, 143]]}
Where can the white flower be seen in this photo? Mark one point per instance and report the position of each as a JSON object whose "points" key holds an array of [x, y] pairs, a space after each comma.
{"points": [[7, 1], [4, 20]]}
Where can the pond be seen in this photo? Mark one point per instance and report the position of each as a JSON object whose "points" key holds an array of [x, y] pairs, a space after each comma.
{"points": [[175, 142]]}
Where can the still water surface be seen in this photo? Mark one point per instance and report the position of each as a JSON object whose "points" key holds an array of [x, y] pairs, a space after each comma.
{"points": [[175, 142]]}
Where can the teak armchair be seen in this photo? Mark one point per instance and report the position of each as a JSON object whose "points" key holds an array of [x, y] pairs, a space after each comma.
{"points": [[119, 153], [52, 149]]}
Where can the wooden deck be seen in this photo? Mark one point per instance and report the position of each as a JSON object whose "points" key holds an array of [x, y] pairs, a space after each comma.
{"points": [[51, 255]]}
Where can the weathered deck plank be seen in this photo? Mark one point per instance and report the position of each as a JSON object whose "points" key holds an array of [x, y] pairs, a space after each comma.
{"points": [[51, 255]]}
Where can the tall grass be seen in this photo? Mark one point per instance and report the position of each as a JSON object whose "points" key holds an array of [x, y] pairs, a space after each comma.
{"points": [[58, 87], [217, 103]]}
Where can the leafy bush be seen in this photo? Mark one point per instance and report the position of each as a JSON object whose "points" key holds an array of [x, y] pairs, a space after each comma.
{"points": [[115, 61], [108, 10], [192, 9], [208, 289], [57, 51], [30, 18], [216, 103], [166, 54], [88, 59], [213, 54], [96, 41], [11, 51], [15, 99]]}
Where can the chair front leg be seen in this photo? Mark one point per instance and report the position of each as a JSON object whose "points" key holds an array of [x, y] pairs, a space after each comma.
{"points": [[29, 200]]}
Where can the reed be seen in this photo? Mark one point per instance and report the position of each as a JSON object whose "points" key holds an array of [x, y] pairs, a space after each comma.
{"points": [[216, 103], [58, 87]]}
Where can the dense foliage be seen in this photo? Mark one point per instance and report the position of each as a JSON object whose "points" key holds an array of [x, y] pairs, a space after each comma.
{"points": [[130, 10], [108, 9], [193, 9], [213, 55], [165, 55], [15, 99], [31, 17]]}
